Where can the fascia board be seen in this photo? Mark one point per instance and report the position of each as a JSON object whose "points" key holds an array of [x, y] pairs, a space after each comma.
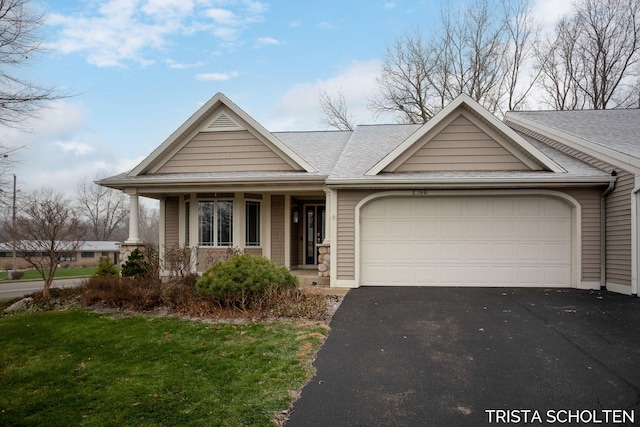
{"points": [[468, 103], [423, 130], [167, 143], [608, 155], [269, 136], [217, 100], [472, 181]]}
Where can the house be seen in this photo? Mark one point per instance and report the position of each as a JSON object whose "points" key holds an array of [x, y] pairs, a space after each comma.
{"points": [[463, 200], [88, 254]]}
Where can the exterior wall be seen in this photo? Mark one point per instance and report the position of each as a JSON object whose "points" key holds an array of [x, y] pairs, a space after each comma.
{"points": [[277, 229], [461, 146], [171, 222], [589, 199], [345, 223], [618, 213], [224, 152]]}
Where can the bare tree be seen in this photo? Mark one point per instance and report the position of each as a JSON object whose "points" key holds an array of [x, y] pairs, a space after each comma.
{"points": [[406, 85], [19, 43], [105, 209], [336, 112], [46, 230], [149, 224], [479, 51], [594, 56], [522, 38], [558, 67]]}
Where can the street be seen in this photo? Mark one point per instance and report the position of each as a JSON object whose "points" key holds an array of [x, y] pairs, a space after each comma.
{"points": [[16, 289]]}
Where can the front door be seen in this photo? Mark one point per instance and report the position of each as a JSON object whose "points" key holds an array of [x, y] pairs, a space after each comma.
{"points": [[314, 229]]}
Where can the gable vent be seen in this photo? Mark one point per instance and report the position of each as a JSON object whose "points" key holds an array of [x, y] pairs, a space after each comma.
{"points": [[223, 122]]}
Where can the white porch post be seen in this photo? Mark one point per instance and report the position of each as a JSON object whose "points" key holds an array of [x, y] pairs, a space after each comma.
{"points": [[327, 216], [133, 218]]}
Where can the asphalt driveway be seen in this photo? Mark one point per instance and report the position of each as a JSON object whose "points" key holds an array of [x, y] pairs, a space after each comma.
{"points": [[477, 356]]}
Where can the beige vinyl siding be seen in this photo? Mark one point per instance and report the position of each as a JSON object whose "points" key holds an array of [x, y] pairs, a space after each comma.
{"points": [[461, 146], [171, 221], [618, 212], [347, 201], [253, 251], [224, 152], [589, 199], [277, 229]]}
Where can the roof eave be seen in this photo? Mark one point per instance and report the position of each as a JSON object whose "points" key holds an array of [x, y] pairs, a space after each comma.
{"points": [[594, 150]]}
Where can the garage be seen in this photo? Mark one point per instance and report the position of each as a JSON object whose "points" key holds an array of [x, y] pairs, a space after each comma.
{"points": [[466, 241]]}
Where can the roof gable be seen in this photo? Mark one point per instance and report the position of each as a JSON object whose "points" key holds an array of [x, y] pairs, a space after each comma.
{"points": [[221, 137], [464, 136]]}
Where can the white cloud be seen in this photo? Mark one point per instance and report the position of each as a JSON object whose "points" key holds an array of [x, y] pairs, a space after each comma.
{"points": [[59, 149], [268, 41], [216, 76], [180, 66], [299, 109], [548, 12], [390, 5], [117, 32]]}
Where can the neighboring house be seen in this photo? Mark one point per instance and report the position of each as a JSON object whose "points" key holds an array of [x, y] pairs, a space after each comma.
{"points": [[463, 200], [87, 255]]}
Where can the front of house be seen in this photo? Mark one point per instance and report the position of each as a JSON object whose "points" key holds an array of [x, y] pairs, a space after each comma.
{"points": [[464, 200]]}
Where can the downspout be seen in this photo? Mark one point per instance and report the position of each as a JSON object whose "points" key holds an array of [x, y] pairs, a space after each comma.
{"points": [[603, 231], [634, 240]]}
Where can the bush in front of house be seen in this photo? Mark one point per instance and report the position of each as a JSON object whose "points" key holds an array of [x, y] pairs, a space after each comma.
{"points": [[136, 265], [243, 278], [106, 268]]}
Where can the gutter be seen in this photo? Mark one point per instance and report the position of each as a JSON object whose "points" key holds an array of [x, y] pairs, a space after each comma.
{"points": [[603, 231]]}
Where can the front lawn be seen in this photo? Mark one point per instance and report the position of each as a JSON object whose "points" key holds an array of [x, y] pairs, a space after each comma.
{"points": [[82, 368], [61, 273]]}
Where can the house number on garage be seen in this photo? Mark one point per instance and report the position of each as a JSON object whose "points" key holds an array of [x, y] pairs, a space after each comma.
{"points": [[420, 193]]}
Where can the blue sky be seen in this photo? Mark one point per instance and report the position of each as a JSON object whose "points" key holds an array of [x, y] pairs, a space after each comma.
{"points": [[139, 68]]}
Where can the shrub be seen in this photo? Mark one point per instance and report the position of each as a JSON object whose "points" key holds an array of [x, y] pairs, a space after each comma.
{"points": [[123, 292], [136, 265], [17, 274], [106, 268], [243, 277]]}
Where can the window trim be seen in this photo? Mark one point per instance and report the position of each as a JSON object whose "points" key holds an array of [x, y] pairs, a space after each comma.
{"points": [[214, 233]]}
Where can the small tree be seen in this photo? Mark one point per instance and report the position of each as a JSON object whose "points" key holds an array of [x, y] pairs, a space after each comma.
{"points": [[136, 265], [47, 230]]}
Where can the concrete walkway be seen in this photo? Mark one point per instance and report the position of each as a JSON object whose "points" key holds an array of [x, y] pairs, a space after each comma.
{"points": [[478, 356]]}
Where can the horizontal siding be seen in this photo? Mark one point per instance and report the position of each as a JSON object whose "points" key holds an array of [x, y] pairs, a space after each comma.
{"points": [[618, 212], [224, 152], [589, 199], [277, 229], [461, 146], [171, 222], [347, 201]]}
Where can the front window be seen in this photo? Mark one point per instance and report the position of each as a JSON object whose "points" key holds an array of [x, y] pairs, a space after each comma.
{"points": [[215, 220]]}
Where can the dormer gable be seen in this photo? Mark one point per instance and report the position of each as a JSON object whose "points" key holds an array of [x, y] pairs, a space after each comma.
{"points": [[221, 137], [464, 137]]}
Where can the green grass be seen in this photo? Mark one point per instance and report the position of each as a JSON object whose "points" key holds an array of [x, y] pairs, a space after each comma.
{"points": [[82, 368], [32, 274]]}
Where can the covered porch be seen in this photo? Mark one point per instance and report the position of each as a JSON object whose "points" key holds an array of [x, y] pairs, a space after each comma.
{"points": [[291, 228]]}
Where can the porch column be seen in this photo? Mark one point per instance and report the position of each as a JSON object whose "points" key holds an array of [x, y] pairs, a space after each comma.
{"points": [[133, 218], [327, 217]]}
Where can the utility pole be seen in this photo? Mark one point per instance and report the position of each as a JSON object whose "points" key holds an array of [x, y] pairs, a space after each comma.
{"points": [[13, 222]]}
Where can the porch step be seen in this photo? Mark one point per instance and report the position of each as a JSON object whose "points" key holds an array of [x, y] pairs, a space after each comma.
{"points": [[310, 278]]}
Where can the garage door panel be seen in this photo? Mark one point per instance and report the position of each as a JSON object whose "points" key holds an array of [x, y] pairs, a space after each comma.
{"points": [[476, 241]]}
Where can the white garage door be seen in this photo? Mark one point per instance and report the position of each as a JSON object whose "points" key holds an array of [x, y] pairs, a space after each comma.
{"points": [[466, 241]]}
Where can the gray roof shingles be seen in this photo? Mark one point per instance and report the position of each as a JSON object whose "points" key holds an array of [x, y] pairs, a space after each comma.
{"points": [[618, 130]]}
